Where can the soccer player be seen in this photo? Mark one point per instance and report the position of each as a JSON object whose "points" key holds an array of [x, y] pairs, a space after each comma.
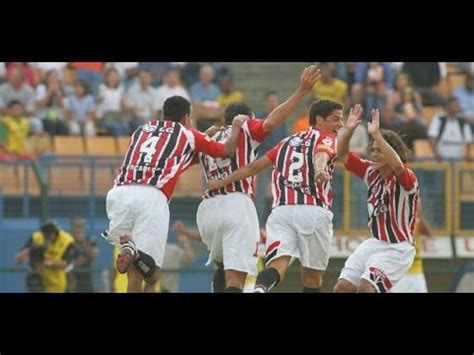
{"points": [[137, 205], [227, 218], [300, 224], [393, 193]]}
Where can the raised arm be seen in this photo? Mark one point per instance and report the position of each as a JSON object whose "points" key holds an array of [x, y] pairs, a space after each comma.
{"points": [[232, 143], [352, 122], [390, 156], [241, 173], [309, 77]]}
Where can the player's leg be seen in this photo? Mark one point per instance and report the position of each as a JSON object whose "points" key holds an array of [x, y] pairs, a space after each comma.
{"points": [[344, 286], [150, 232], [314, 230], [240, 237], [218, 281], [387, 264], [272, 275], [354, 267], [209, 222], [312, 280], [281, 246]]}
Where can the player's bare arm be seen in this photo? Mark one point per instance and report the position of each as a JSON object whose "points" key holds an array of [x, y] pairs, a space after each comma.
{"points": [[353, 121], [231, 144], [212, 130], [309, 77], [390, 156], [320, 162], [242, 173]]}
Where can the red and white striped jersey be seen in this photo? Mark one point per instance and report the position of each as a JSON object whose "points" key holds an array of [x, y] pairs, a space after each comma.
{"points": [[293, 174], [392, 203], [251, 135], [159, 151]]}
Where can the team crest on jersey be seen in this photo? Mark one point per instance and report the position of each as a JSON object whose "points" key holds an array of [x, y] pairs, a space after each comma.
{"points": [[327, 141], [295, 142], [148, 128]]}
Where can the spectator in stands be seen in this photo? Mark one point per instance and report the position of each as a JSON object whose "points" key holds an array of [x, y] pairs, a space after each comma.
{"points": [[157, 70], [80, 111], [189, 72], [110, 111], [142, 101], [330, 88], [86, 250], [465, 95], [17, 129], [346, 72], [228, 94], [204, 96], [49, 99], [127, 72], [17, 89], [413, 126], [25, 69], [171, 87], [50, 252], [90, 73], [449, 132], [401, 81], [372, 81], [427, 78], [42, 68]]}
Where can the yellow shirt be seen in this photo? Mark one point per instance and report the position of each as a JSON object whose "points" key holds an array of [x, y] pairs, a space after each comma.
{"points": [[417, 266], [54, 280], [234, 96], [17, 131], [335, 91]]}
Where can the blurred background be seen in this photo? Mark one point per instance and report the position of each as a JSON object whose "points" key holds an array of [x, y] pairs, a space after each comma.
{"points": [[65, 126]]}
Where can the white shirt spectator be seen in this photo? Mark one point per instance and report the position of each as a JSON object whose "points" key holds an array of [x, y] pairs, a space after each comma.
{"points": [[451, 140], [111, 99], [164, 92]]}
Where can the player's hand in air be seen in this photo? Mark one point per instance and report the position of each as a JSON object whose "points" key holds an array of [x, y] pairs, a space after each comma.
{"points": [[354, 118], [374, 126]]}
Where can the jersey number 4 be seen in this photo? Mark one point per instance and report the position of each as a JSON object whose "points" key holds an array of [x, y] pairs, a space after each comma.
{"points": [[148, 148]]}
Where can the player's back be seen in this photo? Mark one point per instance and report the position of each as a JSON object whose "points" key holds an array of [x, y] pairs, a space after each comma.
{"points": [[217, 168], [157, 153], [294, 169]]}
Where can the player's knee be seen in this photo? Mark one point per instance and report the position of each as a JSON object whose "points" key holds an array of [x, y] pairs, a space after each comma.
{"points": [[343, 286], [365, 286]]}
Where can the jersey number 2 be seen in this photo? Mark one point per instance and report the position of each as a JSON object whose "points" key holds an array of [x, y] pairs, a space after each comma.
{"points": [[297, 160]]}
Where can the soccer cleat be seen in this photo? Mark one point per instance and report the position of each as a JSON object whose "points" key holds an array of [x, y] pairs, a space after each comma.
{"points": [[128, 253]]}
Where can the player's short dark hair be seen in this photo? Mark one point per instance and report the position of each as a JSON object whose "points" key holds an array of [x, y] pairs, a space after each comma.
{"points": [[236, 108], [49, 228], [322, 108], [394, 140], [175, 108], [14, 102]]}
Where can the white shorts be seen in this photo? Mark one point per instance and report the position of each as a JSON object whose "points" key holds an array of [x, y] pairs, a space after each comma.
{"points": [[229, 227], [411, 283], [141, 211], [381, 263], [300, 231]]}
